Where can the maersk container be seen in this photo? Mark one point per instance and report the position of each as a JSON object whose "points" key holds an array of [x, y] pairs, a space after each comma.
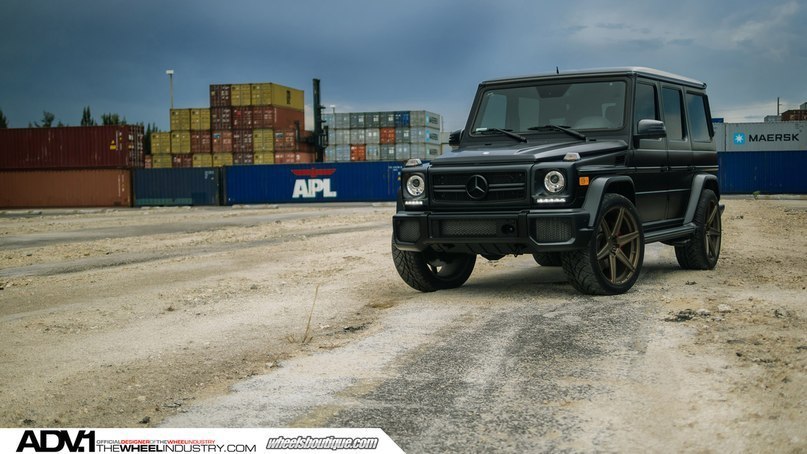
{"points": [[72, 147], [357, 120], [778, 136], [314, 182], [66, 188], [768, 172], [173, 187], [424, 119]]}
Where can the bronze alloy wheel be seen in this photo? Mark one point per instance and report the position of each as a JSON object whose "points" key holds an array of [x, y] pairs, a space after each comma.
{"points": [[618, 244], [713, 231]]}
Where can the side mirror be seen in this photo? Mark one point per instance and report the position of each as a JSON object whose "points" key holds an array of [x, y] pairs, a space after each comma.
{"points": [[454, 138], [651, 129]]}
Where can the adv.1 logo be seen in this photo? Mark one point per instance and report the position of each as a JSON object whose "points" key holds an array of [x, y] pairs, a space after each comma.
{"points": [[56, 441], [312, 186]]}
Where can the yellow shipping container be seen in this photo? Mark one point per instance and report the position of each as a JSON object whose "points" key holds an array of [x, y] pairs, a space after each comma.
{"points": [[180, 142], [200, 119], [264, 158], [222, 159], [161, 161], [203, 160], [263, 140], [180, 119], [270, 94], [240, 95], [160, 143]]}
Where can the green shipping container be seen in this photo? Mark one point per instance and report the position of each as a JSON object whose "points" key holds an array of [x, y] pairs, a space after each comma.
{"points": [[263, 140], [200, 119], [180, 119], [240, 94], [180, 142], [160, 143]]}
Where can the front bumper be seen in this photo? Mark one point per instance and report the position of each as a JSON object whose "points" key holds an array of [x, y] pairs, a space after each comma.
{"points": [[494, 233]]}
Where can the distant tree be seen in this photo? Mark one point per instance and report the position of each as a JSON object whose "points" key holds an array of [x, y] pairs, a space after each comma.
{"points": [[60, 124], [3, 120], [108, 119], [46, 122], [86, 118], [150, 128]]}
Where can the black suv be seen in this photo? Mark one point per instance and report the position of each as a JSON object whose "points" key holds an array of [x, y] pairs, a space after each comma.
{"points": [[580, 169]]}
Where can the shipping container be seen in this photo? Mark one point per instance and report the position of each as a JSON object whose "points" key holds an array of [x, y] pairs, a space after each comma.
{"points": [[66, 188], [357, 137], [201, 142], [285, 140], [242, 141], [768, 172], [264, 158], [358, 153], [387, 152], [162, 161], [242, 117], [425, 135], [373, 152], [243, 159], [72, 147], [387, 119], [222, 159], [402, 151], [180, 119], [222, 141], [200, 119], [342, 137], [240, 94], [271, 117], [181, 161], [372, 120], [330, 154], [266, 94], [780, 136], [387, 135], [402, 135], [423, 119], [220, 96], [221, 118], [343, 121], [314, 182], [147, 161], [263, 140], [342, 153], [425, 152], [293, 157], [357, 120], [203, 160], [180, 142], [160, 143], [173, 187], [402, 119]]}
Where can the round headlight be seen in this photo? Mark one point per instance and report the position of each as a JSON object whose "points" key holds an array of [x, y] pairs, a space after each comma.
{"points": [[554, 182], [415, 185]]}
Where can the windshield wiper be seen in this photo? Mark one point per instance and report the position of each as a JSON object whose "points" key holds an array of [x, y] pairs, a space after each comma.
{"points": [[566, 129], [507, 132]]}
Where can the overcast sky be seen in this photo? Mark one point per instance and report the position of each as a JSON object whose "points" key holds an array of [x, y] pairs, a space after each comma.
{"points": [[371, 55]]}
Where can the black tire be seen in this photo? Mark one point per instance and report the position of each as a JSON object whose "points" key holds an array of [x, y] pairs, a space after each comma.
{"points": [[429, 271], [703, 250], [612, 261], [547, 258]]}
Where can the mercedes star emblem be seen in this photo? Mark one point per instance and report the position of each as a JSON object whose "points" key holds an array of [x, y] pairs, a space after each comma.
{"points": [[477, 187]]}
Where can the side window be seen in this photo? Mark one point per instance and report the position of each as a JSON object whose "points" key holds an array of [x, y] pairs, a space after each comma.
{"points": [[698, 121], [644, 106], [674, 113]]}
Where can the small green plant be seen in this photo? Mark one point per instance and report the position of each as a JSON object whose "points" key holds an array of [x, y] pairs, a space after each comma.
{"points": [[756, 195]]}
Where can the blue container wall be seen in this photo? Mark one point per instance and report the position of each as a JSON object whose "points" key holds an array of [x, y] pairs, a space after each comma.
{"points": [[769, 172], [181, 186], [320, 182]]}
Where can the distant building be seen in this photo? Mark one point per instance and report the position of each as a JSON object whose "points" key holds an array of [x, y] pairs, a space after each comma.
{"points": [[795, 114]]}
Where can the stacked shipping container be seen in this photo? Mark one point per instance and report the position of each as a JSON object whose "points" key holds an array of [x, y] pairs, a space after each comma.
{"points": [[382, 136], [245, 124]]}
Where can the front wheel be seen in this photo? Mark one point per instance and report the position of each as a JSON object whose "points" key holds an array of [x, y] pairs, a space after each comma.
{"points": [[429, 271], [611, 262]]}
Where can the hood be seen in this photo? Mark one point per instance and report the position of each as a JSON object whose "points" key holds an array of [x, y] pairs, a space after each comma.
{"points": [[524, 153]]}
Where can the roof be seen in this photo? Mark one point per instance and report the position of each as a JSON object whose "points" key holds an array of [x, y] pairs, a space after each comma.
{"points": [[620, 71]]}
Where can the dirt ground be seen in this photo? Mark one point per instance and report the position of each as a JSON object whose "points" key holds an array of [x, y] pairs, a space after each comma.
{"points": [[122, 318]]}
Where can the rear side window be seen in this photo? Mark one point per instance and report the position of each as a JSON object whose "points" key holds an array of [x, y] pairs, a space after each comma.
{"points": [[674, 113], [698, 121], [645, 107]]}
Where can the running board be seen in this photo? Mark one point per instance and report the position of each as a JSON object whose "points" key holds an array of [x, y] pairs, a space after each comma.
{"points": [[682, 232]]}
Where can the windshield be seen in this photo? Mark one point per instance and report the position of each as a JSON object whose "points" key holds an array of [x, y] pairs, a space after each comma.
{"points": [[578, 105]]}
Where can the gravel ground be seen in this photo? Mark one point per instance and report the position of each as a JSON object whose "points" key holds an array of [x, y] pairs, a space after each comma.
{"points": [[200, 318]]}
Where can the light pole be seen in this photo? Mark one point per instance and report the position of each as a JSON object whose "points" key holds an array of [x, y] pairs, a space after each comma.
{"points": [[170, 73]]}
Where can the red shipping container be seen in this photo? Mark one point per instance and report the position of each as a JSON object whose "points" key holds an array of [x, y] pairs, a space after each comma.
{"points": [[200, 142], [270, 117], [181, 160], [66, 188], [221, 118], [147, 163], [286, 140], [74, 147], [387, 135], [358, 152], [222, 141], [220, 96], [242, 117], [293, 157], [241, 159], [242, 141]]}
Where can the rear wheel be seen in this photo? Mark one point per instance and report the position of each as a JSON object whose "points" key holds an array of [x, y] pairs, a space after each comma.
{"points": [[703, 250], [611, 262], [429, 271], [547, 258]]}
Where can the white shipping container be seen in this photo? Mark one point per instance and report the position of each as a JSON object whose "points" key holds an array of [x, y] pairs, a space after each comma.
{"points": [[402, 135], [357, 137], [425, 135], [343, 153], [373, 152], [342, 121], [330, 154], [342, 137], [372, 136], [779, 136], [387, 152], [424, 119], [424, 152], [402, 151]]}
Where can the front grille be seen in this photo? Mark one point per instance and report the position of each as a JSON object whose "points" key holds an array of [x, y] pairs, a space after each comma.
{"points": [[503, 186], [468, 228], [552, 230]]}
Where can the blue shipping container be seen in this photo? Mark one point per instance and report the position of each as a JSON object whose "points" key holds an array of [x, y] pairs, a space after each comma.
{"points": [[769, 172], [316, 182], [402, 119], [180, 186]]}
